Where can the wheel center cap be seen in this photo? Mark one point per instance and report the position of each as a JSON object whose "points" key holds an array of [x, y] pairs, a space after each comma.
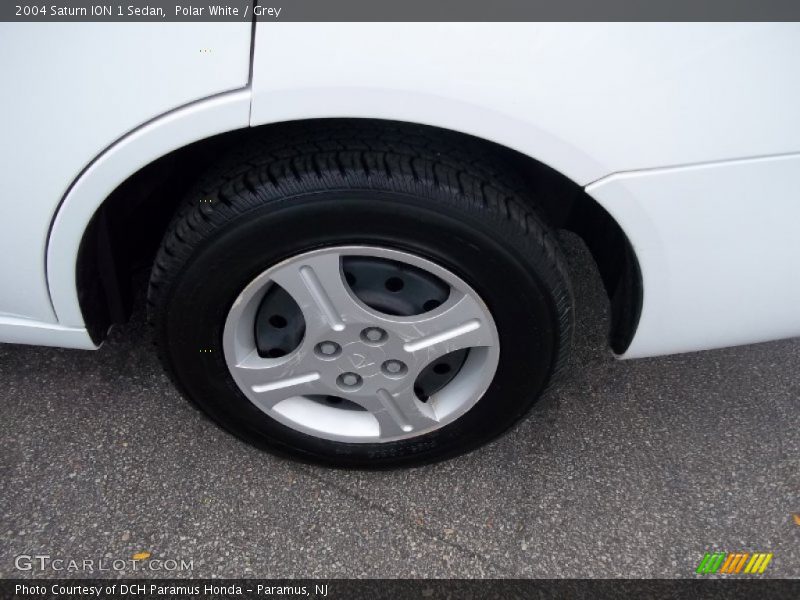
{"points": [[363, 359]]}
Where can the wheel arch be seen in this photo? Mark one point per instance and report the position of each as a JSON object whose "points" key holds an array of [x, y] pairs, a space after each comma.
{"points": [[99, 243]]}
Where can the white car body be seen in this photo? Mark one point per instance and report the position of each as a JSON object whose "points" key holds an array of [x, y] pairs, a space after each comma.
{"points": [[688, 135]]}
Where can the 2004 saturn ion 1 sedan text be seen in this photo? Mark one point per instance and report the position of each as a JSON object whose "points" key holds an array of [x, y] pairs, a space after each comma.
{"points": [[351, 244]]}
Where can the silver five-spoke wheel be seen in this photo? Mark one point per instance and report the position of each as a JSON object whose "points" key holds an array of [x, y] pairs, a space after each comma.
{"points": [[360, 369]]}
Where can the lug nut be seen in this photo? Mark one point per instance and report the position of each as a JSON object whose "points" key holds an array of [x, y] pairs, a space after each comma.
{"points": [[327, 349], [394, 368], [373, 335], [349, 381]]}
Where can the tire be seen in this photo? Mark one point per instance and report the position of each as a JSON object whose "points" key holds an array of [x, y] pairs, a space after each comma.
{"points": [[389, 191]]}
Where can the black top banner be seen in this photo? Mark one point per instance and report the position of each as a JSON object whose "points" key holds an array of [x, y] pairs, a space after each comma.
{"points": [[398, 10]]}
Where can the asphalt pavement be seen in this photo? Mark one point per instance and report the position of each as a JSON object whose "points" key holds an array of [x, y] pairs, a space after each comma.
{"points": [[626, 469]]}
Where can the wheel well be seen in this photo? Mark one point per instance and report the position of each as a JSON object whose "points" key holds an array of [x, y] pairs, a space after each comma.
{"points": [[123, 236]]}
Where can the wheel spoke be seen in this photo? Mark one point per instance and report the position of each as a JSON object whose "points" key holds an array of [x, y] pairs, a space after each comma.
{"points": [[270, 383], [400, 413], [318, 287], [458, 325]]}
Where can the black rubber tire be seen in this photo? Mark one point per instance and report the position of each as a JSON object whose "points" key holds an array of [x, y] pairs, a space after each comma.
{"points": [[397, 187]]}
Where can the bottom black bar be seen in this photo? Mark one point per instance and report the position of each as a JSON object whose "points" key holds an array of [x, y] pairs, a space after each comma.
{"points": [[335, 589]]}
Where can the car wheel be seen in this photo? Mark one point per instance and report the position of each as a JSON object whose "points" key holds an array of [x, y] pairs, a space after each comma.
{"points": [[360, 307]]}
